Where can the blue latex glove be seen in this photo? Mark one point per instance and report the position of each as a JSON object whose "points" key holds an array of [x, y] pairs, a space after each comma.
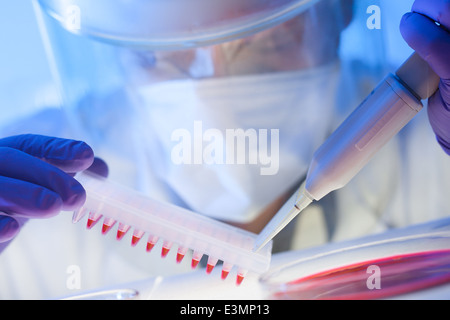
{"points": [[432, 43], [36, 179]]}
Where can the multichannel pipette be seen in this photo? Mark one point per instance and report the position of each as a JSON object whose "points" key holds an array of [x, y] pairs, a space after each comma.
{"points": [[395, 101], [117, 204]]}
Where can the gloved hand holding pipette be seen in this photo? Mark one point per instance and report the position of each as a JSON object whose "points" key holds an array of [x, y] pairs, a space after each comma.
{"points": [[432, 43], [36, 181], [383, 114]]}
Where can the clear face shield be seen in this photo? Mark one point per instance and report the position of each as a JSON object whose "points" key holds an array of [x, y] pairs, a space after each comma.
{"points": [[215, 105], [286, 46]]}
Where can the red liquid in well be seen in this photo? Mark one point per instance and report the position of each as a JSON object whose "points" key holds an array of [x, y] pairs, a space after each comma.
{"points": [[225, 274], [180, 257], [164, 252], [135, 240], [194, 263], [150, 246], [106, 228], [209, 268], [239, 279], [397, 275]]}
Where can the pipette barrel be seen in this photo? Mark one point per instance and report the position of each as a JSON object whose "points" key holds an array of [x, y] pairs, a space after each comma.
{"points": [[389, 107]]}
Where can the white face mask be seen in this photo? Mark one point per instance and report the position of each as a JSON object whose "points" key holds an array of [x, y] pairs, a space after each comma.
{"points": [[188, 129]]}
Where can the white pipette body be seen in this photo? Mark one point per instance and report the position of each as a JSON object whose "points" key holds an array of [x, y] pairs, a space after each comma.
{"points": [[395, 101]]}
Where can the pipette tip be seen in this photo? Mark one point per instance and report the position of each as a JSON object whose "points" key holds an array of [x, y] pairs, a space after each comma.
{"points": [[278, 222], [289, 211], [79, 214]]}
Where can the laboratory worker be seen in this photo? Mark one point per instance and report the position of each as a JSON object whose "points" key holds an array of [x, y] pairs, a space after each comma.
{"points": [[218, 112]]}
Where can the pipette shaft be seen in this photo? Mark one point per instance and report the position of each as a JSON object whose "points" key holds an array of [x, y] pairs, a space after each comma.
{"points": [[395, 101]]}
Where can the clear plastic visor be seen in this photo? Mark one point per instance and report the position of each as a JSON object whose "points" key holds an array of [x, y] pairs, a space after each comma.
{"points": [[172, 24], [307, 40]]}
